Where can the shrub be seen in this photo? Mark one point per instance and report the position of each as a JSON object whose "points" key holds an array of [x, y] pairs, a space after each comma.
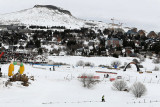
{"points": [[120, 85], [141, 58], [89, 64], [8, 83], [156, 61], [88, 80], [138, 89], [80, 63], [115, 55], [135, 60], [140, 66], [125, 64], [59, 63], [156, 68]]}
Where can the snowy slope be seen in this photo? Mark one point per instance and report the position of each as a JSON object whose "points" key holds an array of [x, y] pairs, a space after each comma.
{"points": [[61, 88], [46, 16]]}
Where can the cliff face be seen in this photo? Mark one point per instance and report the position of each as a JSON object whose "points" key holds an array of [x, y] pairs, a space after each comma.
{"points": [[54, 8]]}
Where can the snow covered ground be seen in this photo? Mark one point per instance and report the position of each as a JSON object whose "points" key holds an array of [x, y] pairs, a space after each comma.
{"points": [[61, 88]]}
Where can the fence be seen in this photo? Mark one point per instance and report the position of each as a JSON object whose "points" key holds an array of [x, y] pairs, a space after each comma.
{"points": [[144, 101], [143, 80]]}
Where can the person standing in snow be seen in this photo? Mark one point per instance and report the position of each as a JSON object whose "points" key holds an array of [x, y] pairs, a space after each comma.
{"points": [[0, 73], [103, 100], [107, 76], [53, 68]]}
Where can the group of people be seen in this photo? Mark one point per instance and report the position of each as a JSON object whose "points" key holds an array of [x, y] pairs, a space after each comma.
{"points": [[106, 75], [53, 68]]}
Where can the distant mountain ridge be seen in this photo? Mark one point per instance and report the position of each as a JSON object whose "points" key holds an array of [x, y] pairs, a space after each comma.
{"points": [[54, 8]]}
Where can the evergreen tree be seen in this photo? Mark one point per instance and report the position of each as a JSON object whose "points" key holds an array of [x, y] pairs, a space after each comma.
{"points": [[40, 51], [37, 43]]}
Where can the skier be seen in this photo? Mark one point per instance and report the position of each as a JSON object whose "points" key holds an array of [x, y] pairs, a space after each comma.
{"points": [[103, 100], [156, 76]]}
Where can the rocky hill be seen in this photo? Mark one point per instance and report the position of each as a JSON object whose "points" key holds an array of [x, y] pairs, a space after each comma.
{"points": [[47, 15]]}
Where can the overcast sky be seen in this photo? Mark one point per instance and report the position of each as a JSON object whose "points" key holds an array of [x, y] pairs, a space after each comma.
{"points": [[144, 14]]}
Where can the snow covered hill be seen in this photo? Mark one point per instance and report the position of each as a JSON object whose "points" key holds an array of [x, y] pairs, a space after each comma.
{"points": [[47, 15]]}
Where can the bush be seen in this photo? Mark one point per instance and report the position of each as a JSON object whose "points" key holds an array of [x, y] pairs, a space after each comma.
{"points": [[140, 66], [125, 64], [8, 83], [89, 64], [80, 63], [141, 58], [88, 80], [120, 85], [156, 61], [156, 68], [138, 89], [135, 60], [115, 63], [115, 55]]}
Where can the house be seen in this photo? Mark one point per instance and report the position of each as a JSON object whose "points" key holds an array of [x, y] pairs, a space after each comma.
{"points": [[141, 33], [13, 27], [115, 42], [22, 42], [152, 34], [91, 43], [79, 51], [158, 35], [3, 27], [132, 31]]}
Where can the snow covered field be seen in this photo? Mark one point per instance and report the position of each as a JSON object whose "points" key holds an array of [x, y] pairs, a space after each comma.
{"points": [[61, 88]]}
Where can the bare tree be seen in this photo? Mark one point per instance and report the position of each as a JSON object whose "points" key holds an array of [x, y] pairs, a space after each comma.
{"points": [[156, 68], [141, 58], [89, 64], [88, 80], [120, 85], [138, 89], [80, 63], [156, 61], [136, 61], [83, 79]]}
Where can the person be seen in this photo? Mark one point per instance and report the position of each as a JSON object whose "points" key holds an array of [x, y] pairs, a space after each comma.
{"points": [[107, 76], [53, 68], [156, 76], [103, 100]]}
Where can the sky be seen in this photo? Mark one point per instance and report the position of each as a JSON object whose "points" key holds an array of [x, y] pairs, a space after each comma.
{"points": [[143, 14]]}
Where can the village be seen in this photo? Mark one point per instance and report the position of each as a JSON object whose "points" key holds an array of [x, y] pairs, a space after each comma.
{"points": [[24, 43]]}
